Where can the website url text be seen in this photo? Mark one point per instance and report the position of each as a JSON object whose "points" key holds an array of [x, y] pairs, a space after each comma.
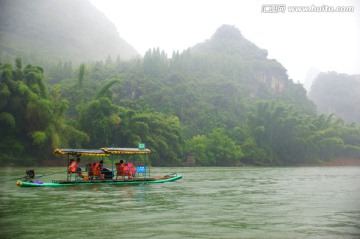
{"points": [[282, 8]]}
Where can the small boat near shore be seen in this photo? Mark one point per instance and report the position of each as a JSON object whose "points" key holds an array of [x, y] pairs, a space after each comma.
{"points": [[139, 172]]}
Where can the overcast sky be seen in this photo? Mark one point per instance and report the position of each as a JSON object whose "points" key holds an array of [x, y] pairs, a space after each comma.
{"points": [[327, 41]]}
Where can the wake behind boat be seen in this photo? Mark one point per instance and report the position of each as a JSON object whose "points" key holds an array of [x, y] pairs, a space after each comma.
{"points": [[121, 173]]}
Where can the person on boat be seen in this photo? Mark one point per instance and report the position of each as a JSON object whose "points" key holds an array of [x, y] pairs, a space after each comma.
{"points": [[120, 169], [99, 165], [129, 170], [97, 168], [30, 174], [108, 174], [74, 166], [89, 169], [101, 172], [132, 169]]}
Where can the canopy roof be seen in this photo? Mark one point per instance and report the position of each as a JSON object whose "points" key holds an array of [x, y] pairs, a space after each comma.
{"points": [[81, 152], [100, 152], [126, 151]]}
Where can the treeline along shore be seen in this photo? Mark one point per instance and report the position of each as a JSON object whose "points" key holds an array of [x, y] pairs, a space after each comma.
{"points": [[223, 102]]}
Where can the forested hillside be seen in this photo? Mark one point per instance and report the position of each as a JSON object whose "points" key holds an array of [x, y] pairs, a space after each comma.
{"points": [[44, 31], [338, 94], [222, 101]]}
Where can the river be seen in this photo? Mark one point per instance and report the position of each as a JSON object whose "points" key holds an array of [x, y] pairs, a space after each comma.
{"points": [[208, 202]]}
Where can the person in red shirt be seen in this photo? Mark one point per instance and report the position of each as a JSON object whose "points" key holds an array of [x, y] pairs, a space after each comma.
{"points": [[97, 168], [120, 169], [74, 166]]}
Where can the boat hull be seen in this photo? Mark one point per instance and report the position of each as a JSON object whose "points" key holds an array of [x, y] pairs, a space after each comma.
{"points": [[92, 182]]}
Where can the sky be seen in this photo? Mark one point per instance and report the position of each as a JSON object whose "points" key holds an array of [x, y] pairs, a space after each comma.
{"points": [[300, 41]]}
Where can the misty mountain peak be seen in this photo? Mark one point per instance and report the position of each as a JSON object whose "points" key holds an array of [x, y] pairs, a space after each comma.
{"points": [[227, 32], [228, 40]]}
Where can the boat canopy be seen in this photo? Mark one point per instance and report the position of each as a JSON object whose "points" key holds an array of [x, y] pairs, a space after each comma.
{"points": [[126, 150], [82, 152], [101, 152]]}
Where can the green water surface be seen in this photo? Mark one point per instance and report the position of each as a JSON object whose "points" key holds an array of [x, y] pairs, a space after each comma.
{"points": [[306, 202]]}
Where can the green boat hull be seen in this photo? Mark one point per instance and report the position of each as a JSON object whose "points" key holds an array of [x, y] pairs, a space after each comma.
{"points": [[93, 182]]}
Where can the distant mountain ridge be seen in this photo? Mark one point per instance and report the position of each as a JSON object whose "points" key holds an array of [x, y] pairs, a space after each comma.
{"points": [[53, 30], [337, 93]]}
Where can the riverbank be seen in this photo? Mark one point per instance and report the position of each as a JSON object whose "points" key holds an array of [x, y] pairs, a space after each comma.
{"points": [[334, 163], [341, 162]]}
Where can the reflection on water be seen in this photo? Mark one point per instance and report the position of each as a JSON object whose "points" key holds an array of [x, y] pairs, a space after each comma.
{"points": [[206, 203]]}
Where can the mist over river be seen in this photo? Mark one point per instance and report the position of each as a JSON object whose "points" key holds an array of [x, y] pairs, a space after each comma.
{"points": [[208, 202]]}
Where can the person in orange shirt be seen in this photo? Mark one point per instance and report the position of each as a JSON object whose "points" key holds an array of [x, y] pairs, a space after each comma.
{"points": [[97, 168], [131, 170], [120, 169], [74, 166], [126, 169]]}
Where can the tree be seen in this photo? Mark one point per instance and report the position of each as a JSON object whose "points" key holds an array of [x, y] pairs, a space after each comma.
{"points": [[81, 76], [216, 148], [31, 123], [98, 119]]}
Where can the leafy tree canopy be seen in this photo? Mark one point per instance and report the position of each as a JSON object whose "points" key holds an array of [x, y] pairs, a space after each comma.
{"points": [[221, 101]]}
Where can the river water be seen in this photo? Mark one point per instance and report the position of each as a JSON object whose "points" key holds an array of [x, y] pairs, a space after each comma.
{"points": [[304, 202]]}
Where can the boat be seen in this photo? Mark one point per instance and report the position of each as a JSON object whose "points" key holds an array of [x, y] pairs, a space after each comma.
{"points": [[91, 176], [59, 183]]}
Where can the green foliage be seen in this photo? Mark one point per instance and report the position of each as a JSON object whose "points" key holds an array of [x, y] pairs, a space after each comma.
{"points": [[104, 91], [216, 148], [221, 101], [161, 133], [7, 121], [31, 124], [81, 74], [97, 120], [197, 146], [253, 154], [289, 137], [39, 138]]}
